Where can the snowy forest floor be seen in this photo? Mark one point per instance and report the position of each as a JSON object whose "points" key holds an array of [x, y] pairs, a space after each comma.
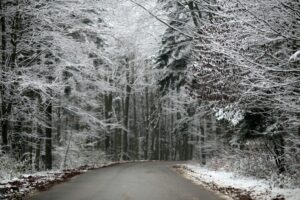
{"points": [[19, 188], [233, 186]]}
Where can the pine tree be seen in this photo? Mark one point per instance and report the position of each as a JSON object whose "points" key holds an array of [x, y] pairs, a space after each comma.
{"points": [[174, 54]]}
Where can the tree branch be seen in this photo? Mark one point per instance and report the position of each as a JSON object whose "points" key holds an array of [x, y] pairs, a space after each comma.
{"points": [[160, 20]]}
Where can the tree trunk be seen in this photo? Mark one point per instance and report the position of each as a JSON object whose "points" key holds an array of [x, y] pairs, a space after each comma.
{"points": [[135, 144], [203, 137], [108, 114], [135, 131], [38, 148], [146, 146], [67, 150], [159, 133], [48, 138], [4, 121], [59, 122]]}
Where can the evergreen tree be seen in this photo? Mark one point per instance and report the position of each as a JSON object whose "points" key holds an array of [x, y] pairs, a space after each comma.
{"points": [[174, 54]]}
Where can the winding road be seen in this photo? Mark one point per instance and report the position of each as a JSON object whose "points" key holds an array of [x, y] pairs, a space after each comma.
{"points": [[131, 181]]}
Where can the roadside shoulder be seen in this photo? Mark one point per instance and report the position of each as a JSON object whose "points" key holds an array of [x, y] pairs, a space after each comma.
{"points": [[234, 186]]}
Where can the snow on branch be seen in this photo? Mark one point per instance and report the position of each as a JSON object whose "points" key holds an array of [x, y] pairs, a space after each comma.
{"points": [[295, 57]]}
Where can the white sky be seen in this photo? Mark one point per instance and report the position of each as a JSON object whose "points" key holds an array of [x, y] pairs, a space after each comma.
{"points": [[134, 26]]}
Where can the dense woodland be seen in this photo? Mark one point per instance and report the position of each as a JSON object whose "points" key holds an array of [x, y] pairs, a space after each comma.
{"points": [[84, 81]]}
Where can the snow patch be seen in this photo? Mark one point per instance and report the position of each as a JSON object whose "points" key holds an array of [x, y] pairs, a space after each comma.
{"points": [[231, 114], [257, 188]]}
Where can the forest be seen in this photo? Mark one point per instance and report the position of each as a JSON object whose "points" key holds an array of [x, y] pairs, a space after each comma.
{"points": [[216, 81]]}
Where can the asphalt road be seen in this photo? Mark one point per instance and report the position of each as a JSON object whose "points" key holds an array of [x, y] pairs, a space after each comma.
{"points": [[132, 181]]}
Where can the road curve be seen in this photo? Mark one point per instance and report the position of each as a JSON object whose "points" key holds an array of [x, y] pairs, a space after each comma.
{"points": [[131, 181]]}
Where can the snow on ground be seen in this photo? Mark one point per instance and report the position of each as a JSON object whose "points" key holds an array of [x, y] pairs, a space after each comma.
{"points": [[236, 186]]}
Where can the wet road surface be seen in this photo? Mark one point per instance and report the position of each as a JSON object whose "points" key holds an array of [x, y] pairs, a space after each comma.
{"points": [[131, 181]]}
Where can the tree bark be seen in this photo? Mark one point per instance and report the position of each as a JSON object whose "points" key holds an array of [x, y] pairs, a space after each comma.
{"points": [[135, 130], [146, 123], [126, 115], [203, 137], [48, 138], [108, 114], [4, 121], [38, 148]]}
